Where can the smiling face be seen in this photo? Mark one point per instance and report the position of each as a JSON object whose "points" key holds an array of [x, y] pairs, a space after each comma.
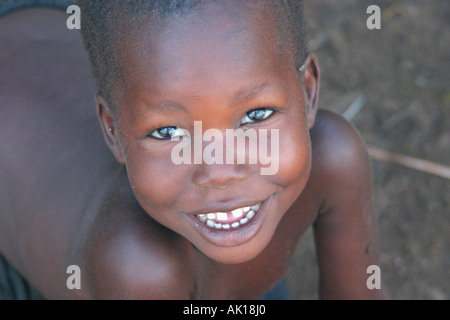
{"points": [[222, 67]]}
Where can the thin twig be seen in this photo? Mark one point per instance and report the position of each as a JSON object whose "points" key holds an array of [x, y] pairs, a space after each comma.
{"points": [[354, 108], [384, 155], [410, 162]]}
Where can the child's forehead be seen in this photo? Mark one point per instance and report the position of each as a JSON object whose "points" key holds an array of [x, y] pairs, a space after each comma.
{"points": [[203, 46], [216, 23]]}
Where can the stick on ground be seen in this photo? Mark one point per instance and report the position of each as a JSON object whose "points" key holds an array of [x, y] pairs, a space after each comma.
{"points": [[410, 162]]}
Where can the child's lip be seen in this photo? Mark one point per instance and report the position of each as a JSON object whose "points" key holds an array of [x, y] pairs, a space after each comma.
{"points": [[229, 219], [228, 237], [228, 208]]}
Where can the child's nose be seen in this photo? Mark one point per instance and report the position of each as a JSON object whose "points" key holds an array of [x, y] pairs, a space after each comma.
{"points": [[219, 175]]}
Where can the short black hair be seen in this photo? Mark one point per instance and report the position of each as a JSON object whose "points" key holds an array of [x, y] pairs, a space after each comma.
{"points": [[104, 20]]}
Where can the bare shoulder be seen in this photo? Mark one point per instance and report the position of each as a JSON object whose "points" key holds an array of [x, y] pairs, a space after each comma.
{"points": [[340, 158], [129, 256], [345, 230]]}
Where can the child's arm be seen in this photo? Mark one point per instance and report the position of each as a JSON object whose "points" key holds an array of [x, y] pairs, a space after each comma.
{"points": [[345, 231]]}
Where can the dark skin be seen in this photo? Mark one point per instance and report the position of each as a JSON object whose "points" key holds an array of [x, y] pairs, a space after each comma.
{"points": [[126, 215]]}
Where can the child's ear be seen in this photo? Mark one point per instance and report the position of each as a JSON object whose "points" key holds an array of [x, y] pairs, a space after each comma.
{"points": [[311, 81], [108, 125]]}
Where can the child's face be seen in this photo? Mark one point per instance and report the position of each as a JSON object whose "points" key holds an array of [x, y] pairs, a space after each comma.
{"points": [[213, 66]]}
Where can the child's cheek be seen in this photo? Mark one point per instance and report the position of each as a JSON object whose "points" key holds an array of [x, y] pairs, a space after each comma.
{"points": [[155, 180], [294, 157]]}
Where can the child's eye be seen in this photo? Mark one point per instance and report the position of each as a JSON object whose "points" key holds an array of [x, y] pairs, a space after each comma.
{"points": [[166, 133], [257, 115]]}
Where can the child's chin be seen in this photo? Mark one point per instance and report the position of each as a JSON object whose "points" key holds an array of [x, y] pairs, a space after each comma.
{"points": [[235, 255], [233, 258]]}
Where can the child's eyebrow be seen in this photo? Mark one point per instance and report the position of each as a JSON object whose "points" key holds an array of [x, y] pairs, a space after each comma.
{"points": [[166, 106], [250, 93], [242, 95]]}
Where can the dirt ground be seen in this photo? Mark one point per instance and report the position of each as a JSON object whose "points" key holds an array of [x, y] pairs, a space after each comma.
{"points": [[402, 71]]}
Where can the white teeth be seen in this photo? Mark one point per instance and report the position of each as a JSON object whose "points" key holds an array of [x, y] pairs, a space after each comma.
{"points": [[245, 213], [211, 216], [235, 224], [250, 214], [223, 216], [237, 213]]}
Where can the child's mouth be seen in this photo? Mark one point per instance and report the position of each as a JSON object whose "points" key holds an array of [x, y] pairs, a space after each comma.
{"points": [[232, 226], [231, 219]]}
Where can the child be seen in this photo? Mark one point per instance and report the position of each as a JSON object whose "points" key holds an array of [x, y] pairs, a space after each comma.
{"points": [[138, 225]]}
